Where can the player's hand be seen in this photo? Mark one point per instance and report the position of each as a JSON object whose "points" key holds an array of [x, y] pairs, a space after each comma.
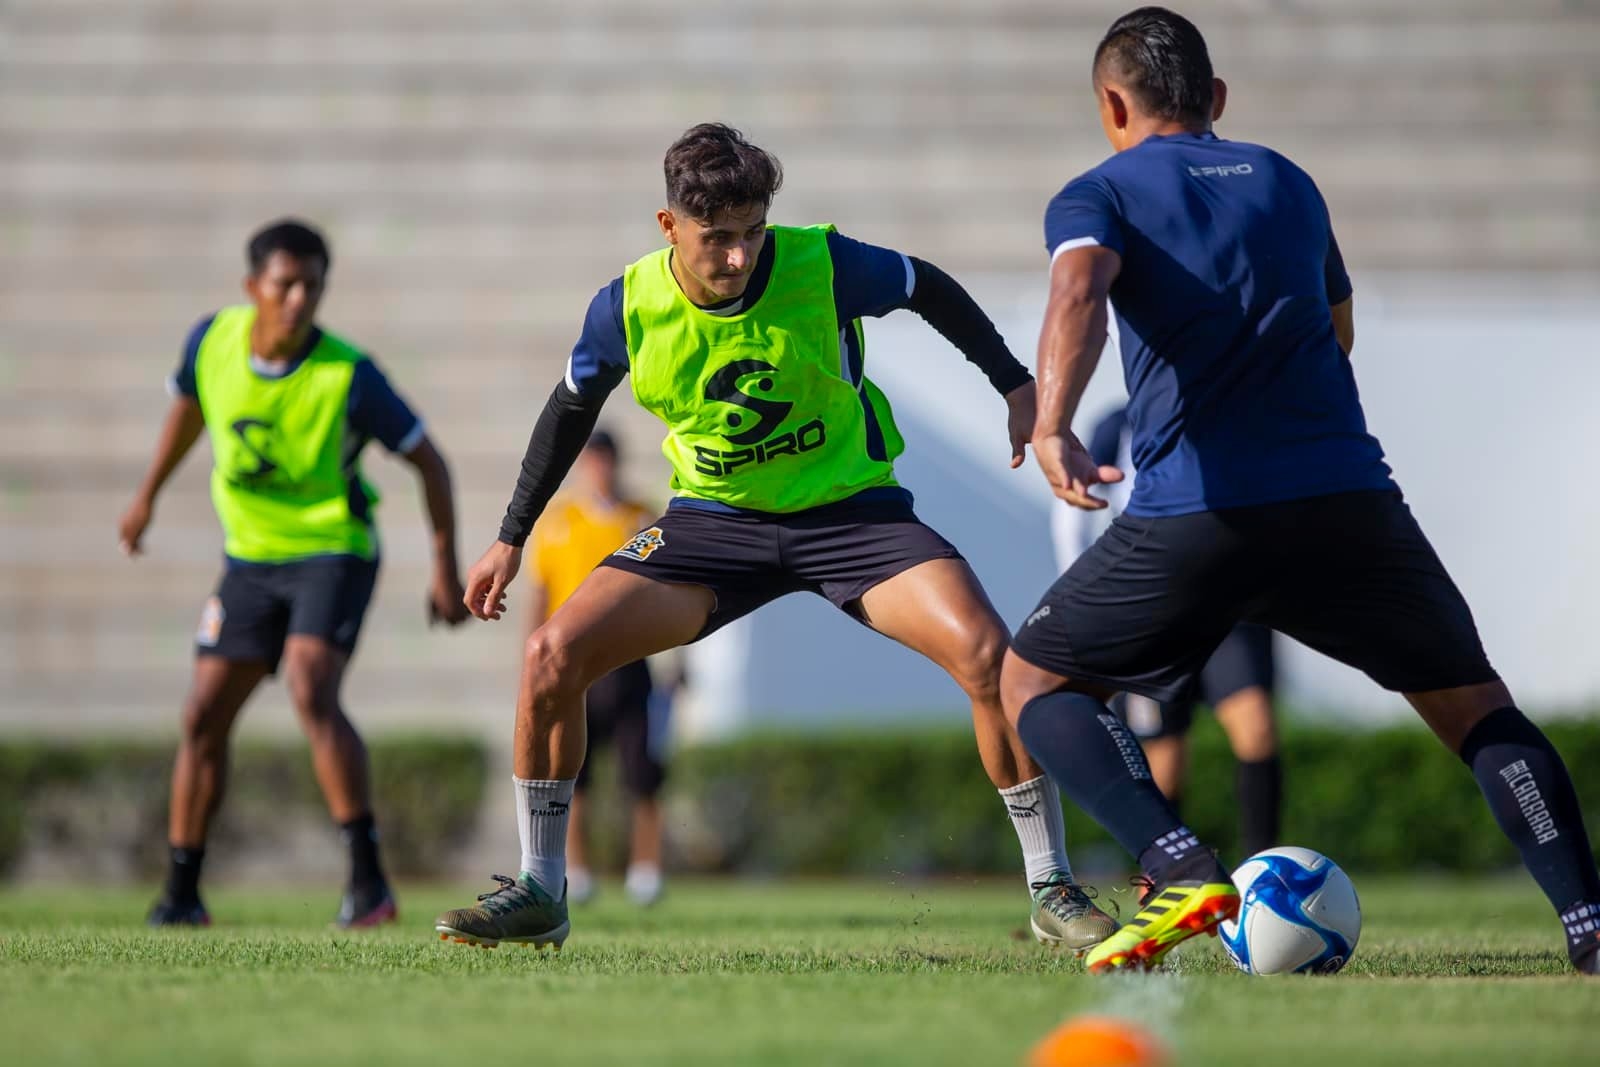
{"points": [[489, 579], [1021, 409], [132, 525], [1070, 470], [447, 600]]}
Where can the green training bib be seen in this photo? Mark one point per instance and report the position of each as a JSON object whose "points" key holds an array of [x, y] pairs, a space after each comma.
{"points": [[760, 409], [281, 485]]}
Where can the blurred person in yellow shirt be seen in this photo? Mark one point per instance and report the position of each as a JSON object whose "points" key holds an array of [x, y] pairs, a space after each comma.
{"points": [[583, 525]]}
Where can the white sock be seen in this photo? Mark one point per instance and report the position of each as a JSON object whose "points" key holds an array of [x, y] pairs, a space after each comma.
{"points": [[542, 810], [644, 882], [1035, 810]]}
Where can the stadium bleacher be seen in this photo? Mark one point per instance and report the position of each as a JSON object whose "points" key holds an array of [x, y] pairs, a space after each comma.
{"points": [[483, 168]]}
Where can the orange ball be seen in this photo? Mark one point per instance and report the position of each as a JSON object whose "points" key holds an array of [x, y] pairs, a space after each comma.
{"points": [[1098, 1041]]}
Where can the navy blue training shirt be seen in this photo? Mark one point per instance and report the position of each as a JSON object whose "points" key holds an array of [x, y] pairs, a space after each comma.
{"points": [[1238, 391], [373, 410], [868, 281]]}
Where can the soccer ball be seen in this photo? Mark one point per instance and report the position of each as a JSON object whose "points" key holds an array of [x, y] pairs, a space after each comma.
{"points": [[1298, 914]]}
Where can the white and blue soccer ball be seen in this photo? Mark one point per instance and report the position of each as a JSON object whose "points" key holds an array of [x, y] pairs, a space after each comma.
{"points": [[1298, 914]]}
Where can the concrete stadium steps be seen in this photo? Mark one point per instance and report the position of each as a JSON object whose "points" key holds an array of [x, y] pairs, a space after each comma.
{"points": [[482, 168]]}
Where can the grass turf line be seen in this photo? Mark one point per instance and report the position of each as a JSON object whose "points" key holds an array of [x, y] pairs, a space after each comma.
{"points": [[734, 973]]}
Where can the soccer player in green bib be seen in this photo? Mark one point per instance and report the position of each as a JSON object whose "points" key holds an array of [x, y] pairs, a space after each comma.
{"points": [[745, 340], [289, 408]]}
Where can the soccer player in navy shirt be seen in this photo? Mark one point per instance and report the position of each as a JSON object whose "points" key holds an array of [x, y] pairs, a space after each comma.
{"points": [[745, 340], [1261, 496], [289, 407]]}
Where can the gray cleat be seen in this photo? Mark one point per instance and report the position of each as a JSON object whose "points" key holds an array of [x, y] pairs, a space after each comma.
{"points": [[1064, 914], [520, 912]]}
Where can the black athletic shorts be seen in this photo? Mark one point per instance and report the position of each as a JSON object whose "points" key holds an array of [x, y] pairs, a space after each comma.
{"points": [[838, 551], [1350, 574], [619, 712], [1243, 661], [258, 605]]}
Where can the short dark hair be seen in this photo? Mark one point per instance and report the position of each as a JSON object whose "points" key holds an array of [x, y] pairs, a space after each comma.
{"points": [[602, 441], [286, 235], [712, 168], [1160, 57]]}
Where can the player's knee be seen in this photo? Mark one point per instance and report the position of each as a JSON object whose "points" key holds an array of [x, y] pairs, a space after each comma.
{"points": [[1246, 717], [978, 671], [313, 689], [548, 664], [205, 726]]}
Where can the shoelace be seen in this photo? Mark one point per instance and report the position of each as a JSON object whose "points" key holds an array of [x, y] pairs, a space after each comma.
{"points": [[510, 893], [1075, 900]]}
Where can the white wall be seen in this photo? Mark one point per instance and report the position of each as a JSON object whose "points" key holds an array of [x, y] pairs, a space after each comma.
{"points": [[1482, 390]]}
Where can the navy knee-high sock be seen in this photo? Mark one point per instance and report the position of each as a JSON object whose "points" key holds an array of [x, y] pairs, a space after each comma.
{"points": [[1533, 800], [1259, 785], [1098, 763]]}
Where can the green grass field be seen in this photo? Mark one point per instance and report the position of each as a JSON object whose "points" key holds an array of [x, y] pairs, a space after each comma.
{"points": [[740, 973]]}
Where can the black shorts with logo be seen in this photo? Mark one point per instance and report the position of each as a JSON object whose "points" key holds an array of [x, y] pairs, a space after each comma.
{"points": [[838, 551], [258, 605], [1349, 574], [618, 709], [1243, 661]]}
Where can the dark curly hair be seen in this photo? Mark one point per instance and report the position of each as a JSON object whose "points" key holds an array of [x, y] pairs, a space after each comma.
{"points": [[712, 168]]}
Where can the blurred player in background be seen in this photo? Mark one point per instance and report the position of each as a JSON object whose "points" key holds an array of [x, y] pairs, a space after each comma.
{"points": [[1261, 495], [581, 527], [745, 339], [289, 408], [1237, 681]]}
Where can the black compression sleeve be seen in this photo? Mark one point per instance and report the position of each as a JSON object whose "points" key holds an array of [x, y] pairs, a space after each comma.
{"points": [[950, 309], [563, 429]]}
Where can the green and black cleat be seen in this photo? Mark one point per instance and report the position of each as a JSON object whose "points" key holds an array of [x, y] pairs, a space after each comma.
{"points": [[520, 912], [1064, 914]]}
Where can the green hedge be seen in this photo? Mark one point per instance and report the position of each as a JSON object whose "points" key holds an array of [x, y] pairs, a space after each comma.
{"points": [[913, 803], [1378, 800], [112, 796]]}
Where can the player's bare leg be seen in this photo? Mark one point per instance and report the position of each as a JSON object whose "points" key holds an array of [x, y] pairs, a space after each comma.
{"points": [[1246, 717], [199, 779], [644, 850], [1168, 757], [1452, 713], [612, 619], [313, 673], [938, 609], [580, 886]]}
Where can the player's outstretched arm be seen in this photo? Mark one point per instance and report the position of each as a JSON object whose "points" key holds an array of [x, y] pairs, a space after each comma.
{"points": [[445, 592], [560, 434], [179, 431], [946, 306], [1070, 342]]}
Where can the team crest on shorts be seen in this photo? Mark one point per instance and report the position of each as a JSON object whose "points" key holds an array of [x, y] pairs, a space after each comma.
{"points": [[642, 544], [211, 617]]}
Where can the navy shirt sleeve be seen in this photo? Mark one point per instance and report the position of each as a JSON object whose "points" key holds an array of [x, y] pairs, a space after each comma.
{"points": [[868, 281], [182, 382], [1084, 213], [1334, 275], [376, 410], [599, 360]]}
